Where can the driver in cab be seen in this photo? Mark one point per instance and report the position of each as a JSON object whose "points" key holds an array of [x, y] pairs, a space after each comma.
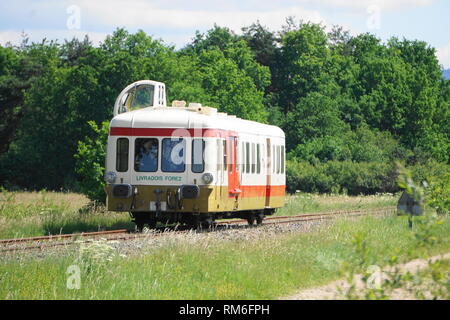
{"points": [[147, 157]]}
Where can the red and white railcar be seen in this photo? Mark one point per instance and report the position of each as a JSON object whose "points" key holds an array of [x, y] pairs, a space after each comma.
{"points": [[191, 163]]}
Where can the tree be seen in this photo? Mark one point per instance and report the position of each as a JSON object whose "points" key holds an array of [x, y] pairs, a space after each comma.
{"points": [[229, 88], [302, 64], [262, 42], [315, 116], [230, 77], [19, 68], [90, 162]]}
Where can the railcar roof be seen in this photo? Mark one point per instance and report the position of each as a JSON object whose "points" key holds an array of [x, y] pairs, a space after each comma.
{"points": [[178, 117]]}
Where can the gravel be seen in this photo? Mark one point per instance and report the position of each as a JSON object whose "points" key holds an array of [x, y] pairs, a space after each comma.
{"points": [[151, 240]]}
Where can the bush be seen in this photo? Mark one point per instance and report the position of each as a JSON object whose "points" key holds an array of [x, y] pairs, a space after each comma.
{"points": [[438, 194], [436, 177], [362, 145], [90, 162], [341, 177]]}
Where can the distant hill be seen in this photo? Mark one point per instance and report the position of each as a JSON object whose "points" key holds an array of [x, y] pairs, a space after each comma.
{"points": [[446, 73]]}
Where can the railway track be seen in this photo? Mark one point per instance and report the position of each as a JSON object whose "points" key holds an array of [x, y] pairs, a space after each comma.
{"points": [[43, 242]]}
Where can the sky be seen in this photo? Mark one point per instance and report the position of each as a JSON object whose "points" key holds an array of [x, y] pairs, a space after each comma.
{"points": [[176, 21]]}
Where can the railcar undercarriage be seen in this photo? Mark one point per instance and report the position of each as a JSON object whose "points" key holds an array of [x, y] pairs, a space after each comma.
{"points": [[196, 220]]}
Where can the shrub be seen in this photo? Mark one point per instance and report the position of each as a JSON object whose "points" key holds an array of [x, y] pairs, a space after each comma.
{"points": [[341, 177], [90, 162], [436, 177], [438, 193], [361, 145]]}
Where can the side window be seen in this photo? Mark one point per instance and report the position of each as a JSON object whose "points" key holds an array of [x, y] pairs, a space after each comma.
{"points": [[238, 153], [247, 157], [224, 148], [282, 159], [173, 155], [258, 158], [278, 159], [122, 148], [273, 160], [219, 155], [253, 158], [198, 150], [146, 155], [242, 164], [230, 154]]}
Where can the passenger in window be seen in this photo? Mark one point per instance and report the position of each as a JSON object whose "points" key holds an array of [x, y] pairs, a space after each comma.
{"points": [[147, 157]]}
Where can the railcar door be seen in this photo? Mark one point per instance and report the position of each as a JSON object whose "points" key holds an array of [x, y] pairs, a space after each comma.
{"points": [[234, 185], [268, 171]]}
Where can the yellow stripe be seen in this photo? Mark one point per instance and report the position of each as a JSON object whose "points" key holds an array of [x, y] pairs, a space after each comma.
{"points": [[212, 199]]}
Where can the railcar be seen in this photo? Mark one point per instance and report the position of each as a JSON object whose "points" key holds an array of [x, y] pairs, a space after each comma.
{"points": [[190, 163]]}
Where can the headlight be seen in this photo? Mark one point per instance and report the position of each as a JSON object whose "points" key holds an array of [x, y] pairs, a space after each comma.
{"points": [[207, 178], [110, 177]]}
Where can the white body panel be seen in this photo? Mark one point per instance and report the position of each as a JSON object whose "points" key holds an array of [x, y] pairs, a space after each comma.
{"points": [[186, 118]]}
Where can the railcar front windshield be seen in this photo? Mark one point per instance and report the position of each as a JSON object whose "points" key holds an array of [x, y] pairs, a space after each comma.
{"points": [[138, 97], [146, 155]]}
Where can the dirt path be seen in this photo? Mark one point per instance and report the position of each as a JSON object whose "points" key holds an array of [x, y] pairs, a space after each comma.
{"points": [[330, 291]]}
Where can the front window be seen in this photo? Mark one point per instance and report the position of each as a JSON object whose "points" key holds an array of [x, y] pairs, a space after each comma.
{"points": [[138, 97], [173, 155], [198, 149], [143, 97], [122, 155], [146, 151]]}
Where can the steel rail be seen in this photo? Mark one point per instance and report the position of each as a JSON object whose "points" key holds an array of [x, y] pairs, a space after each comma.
{"points": [[62, 236]]}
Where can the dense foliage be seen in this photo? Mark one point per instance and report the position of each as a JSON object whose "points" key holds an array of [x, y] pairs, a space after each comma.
{"points": [[349, 105]]}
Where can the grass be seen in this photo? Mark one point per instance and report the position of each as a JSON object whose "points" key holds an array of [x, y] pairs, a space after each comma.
{"points": [[256, 265], [26, 214], [306, 203]]}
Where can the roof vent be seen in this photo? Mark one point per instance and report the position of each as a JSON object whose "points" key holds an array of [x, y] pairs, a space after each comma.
{"points": [[202, 110], [179, 103]]}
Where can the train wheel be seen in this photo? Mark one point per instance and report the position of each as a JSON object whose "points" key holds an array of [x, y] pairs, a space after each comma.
{"points": [[139, 226], [251, 220], [152, 223], [194, 223], [259, 218], [207, 223]]}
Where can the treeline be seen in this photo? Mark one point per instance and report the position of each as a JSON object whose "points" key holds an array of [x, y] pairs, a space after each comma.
{"points": [[346, 103]]}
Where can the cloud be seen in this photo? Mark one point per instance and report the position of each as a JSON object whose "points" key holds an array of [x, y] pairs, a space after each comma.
{"points": [[142, 14], [11, 36], [175, 21], [443, 54], [383, 4]]}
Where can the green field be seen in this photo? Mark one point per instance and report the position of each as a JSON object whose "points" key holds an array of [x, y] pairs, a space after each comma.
{"points": [[26, 214], [306, 203], [254, 264], [258, 263]]}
